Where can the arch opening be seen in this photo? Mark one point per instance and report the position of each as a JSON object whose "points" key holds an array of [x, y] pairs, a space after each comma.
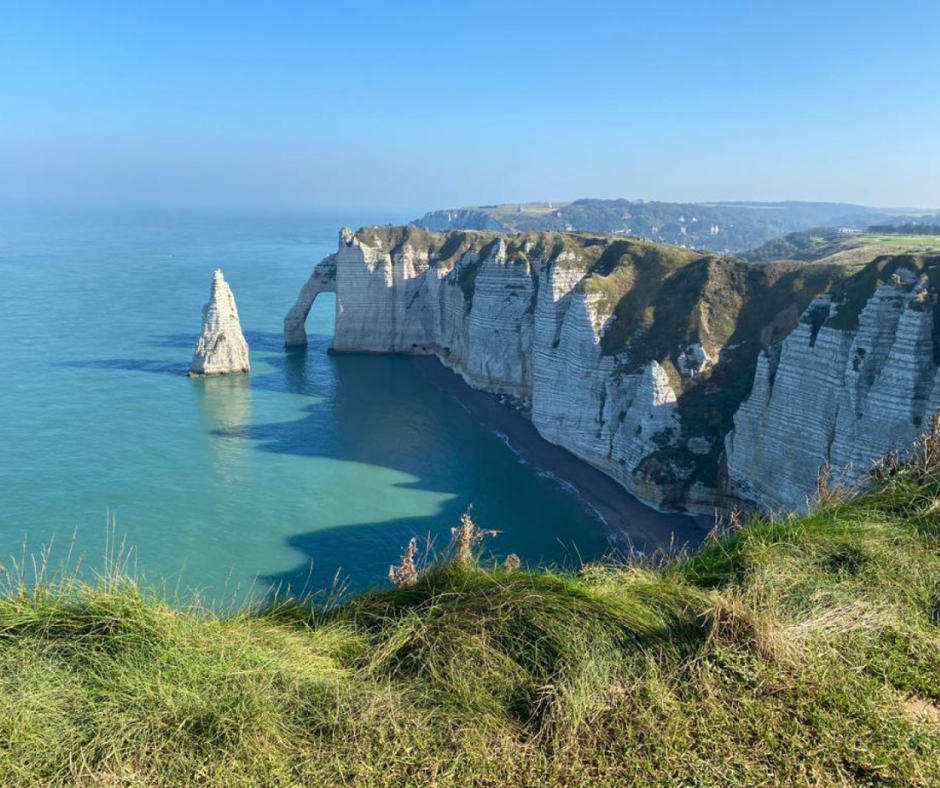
{"points": [[322, 280]]}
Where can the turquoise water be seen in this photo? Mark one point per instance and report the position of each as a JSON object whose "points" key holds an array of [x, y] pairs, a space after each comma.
{"points": [[230, 485]]}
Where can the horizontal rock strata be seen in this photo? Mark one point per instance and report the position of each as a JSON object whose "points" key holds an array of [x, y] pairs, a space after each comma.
{"points": [[221, 348], [837, 395]]}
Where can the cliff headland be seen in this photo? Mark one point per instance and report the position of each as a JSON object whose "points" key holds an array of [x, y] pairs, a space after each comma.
{"points": [[695, 380]]}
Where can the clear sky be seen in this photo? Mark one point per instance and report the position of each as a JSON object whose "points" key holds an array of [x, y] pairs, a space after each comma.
{"points": [[418, 105]]}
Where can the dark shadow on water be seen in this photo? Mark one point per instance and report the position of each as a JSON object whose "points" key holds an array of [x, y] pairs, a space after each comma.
{"points": [[374, 413], [346, 421], [393, 435], [290, 364], [379, 546], [341, 429], [130, 365], [373, 410]]}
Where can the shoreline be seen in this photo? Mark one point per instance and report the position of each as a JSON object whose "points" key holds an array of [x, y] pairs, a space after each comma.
{"points": [[627, 519]]}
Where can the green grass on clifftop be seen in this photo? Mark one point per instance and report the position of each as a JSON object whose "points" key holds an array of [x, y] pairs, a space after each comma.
{"points": [[796, 651]]}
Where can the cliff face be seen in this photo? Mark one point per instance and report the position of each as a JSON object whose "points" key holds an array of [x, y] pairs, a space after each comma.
{"points": [[459, 219], [661, 366], [855, 379]]}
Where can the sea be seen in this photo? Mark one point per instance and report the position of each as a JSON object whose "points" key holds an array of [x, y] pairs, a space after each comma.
{"points": [[308, 476]]}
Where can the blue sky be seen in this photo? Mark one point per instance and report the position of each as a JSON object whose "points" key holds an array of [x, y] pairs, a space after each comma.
{"points": [[416, 105]]}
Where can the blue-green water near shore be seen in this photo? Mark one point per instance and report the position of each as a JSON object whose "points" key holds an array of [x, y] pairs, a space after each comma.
{"points": [[230, 485]]}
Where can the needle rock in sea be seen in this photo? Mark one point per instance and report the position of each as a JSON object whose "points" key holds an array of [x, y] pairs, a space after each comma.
{"points": [[221, 349]]}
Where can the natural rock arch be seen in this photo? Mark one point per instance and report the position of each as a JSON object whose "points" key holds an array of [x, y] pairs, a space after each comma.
{"points": [[322, 280]]}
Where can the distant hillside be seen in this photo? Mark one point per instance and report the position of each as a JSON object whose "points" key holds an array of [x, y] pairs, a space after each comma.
{"points": [[716, 227], [827, 245]]}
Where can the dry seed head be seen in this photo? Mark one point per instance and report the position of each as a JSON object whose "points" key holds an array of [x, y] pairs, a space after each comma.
{"points": [[467, 536], [822, 480], [406, 573]]}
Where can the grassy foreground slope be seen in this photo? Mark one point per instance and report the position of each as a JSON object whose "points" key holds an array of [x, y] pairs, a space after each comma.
{"points": [[801, 651]]}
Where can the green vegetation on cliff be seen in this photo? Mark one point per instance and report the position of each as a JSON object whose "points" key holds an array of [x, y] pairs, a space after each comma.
{"points": [[852, 294], [829, 246], [802, 651]]}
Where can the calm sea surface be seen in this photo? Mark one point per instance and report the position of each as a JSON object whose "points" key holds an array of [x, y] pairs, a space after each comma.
{"points": [[312, 464]]}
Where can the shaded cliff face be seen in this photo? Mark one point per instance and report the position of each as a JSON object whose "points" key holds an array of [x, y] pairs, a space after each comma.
{"points": [[633, 356], [855, 379]]}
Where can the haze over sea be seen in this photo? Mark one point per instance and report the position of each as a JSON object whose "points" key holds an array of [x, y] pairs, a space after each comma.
{"points": [[229, 485]]}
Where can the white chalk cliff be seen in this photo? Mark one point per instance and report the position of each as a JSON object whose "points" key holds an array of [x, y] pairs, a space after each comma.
{"points": [[838, 395], [635, 356], [221, 348]]}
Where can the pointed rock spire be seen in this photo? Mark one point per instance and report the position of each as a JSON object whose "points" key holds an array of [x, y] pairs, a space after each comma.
{"points": [[221, 349]]}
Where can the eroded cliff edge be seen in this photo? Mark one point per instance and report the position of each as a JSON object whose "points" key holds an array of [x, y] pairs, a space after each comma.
{"points": [[693, 380]]}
